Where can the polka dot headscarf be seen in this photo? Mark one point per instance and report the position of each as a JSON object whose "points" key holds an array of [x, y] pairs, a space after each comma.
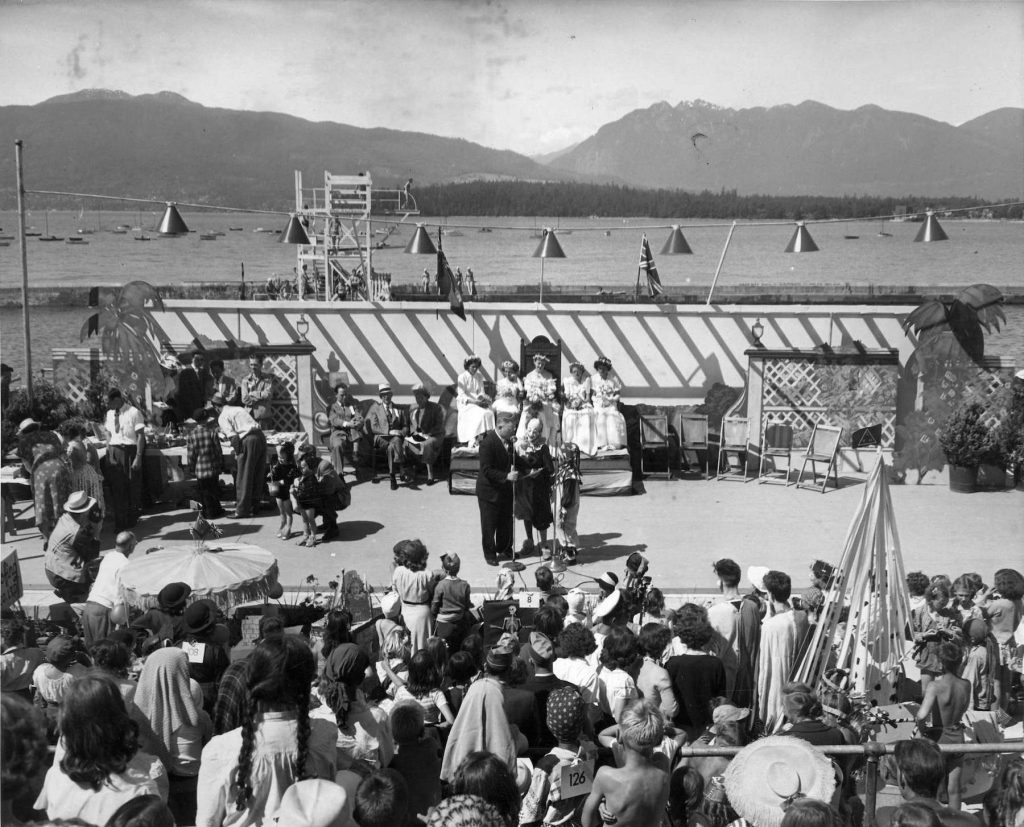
{"points": [[565, 713]]}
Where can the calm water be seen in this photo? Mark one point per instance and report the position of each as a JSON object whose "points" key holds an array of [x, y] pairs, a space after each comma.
{"points": [[977, 251]]}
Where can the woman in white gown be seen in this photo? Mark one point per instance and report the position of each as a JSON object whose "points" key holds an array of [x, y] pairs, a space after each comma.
{"points": [[542, 398], [610, 424], [578, 419], [475, 415], [509, 391]]}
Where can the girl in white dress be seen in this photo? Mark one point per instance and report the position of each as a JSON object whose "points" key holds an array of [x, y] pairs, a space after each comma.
{"points": [[509, 392], [610, 423], [542, 396], [578, 420], [475, 415]]}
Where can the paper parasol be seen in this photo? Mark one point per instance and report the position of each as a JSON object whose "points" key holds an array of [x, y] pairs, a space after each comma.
{"points": [[228, 574]]}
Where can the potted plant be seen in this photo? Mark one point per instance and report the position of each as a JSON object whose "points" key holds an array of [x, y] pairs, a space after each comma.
{"points": [[965, 441], [1008, 435]]}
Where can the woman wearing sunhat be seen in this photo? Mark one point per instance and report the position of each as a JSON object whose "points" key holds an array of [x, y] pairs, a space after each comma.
{"points": [[72, 546]]}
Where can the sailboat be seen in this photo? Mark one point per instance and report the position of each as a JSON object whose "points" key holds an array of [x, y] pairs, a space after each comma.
{"points": [[46, 235], [82, 230], [882, 233]]}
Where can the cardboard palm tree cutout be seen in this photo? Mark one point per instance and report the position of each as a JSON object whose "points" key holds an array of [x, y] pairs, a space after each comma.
{"points": [[128, 336], [871, 581]]}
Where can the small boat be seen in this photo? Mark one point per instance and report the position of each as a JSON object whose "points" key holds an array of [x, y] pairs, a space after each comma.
{"points": [[485, 230], [33, 234], [884, 234], [6, 238], [5, 244], [50, 238], [118, 231], [851, 236], [607, 232], [208, 236], [142, 237], [82, 231], [235, 229], [76, 241], [218, 233], [126, 227]]}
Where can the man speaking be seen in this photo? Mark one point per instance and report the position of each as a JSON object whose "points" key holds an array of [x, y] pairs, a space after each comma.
{"points": [[494, 488]]}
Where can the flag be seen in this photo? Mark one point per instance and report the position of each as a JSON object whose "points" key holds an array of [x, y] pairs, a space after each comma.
{"points": [[94, 297], [647, 265], [94, 324], [446, 277]]}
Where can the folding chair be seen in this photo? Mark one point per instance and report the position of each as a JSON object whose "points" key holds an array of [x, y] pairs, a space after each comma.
{"points": [[654, 435], [823, 448], [777, 442], [735, 433], [693, 437]]}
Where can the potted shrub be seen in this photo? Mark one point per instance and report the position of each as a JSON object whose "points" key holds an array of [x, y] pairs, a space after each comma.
{"points": [[1008, 435], [965, 441]]}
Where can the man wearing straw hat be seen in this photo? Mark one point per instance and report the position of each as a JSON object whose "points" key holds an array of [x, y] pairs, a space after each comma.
{"points": [[73, 545], [389, 427]]}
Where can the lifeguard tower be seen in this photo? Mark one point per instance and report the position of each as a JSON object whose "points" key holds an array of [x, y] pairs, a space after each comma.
{"points": [[346, 220]]}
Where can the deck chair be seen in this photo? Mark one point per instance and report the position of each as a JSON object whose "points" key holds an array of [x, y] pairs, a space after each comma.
{"points": [[693, 438], [823, 448], [735, 433], [777, 442], [654, 436]]}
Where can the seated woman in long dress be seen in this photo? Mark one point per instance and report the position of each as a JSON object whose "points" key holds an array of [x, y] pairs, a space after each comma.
{"points": [[578, 421], [509, 391], [475, 415], [542, 396], [609, 422]]}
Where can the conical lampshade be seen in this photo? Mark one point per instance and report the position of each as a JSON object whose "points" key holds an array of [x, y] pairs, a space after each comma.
{"points": [[420, 243], [172, 223], [676, 243], [801, 242], [294, 233], [549, 246], [931, 230]]}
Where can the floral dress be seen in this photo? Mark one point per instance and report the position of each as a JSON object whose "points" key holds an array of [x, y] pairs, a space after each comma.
{"points": [[611, 424]]}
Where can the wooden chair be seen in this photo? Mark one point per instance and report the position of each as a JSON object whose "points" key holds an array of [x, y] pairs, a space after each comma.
{"points": [[823, 448], [735, 434], [693, 438], [654, 436], [776, 442]]}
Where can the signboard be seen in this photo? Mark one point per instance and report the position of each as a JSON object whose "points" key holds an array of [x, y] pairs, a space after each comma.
{"points": [[11, 588]]}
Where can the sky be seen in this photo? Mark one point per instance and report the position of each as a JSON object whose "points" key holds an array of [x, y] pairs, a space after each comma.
{"points": [[525, 75]]}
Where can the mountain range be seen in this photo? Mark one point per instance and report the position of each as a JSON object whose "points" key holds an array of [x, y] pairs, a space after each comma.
{"points": [[166, 147]]}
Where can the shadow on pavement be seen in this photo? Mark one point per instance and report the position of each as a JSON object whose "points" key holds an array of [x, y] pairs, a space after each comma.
{"points": [[358, 529], [594, 548]]}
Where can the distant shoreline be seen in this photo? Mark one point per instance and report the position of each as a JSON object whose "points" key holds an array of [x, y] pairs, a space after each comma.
{"points": [[78, 296]]}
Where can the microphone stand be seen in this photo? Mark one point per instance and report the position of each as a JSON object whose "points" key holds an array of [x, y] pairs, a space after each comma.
{"points": [[513, 564]]}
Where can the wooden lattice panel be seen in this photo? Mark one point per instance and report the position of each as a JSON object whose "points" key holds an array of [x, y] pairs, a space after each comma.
{"points": [[284, 411], [803, 392]]}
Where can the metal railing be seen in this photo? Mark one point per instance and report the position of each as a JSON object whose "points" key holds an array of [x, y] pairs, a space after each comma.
{"points": [[873, 752]]}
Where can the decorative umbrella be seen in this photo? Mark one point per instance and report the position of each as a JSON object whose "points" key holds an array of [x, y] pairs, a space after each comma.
{"points": [[227, 573]]}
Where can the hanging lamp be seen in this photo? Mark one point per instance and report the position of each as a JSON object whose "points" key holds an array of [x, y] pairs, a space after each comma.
{"points": [[801, 242], [676, 243]]}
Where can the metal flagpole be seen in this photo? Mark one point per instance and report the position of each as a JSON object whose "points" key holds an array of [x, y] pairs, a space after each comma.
{"points": [[24, 270], [721, 261]]}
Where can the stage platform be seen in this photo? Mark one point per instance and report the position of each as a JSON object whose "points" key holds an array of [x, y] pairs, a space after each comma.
{"points": [[609, 474]]}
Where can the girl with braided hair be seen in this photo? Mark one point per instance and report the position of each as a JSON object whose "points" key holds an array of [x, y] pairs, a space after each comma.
{"points": [[245, 772]]}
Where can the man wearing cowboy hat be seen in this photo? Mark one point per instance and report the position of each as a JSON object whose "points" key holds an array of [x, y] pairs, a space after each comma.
{"points": [[389, 427], [426, 431], [250, 446], [73, 545]]}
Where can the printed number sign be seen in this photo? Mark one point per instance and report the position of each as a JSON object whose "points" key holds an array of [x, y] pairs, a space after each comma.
{"points": [[528, 600], [577, 779], [195, 651]]}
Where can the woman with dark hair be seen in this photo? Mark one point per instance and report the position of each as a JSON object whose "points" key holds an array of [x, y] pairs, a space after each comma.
{"points": [[364, 737], [484, 774], [610, 424], [617, 687], [804, 713], [697, 676], [415, 585], [114, 658], [576, 644], [810, 812], [1004, 803], [653, 681], [101, 766], [23, 739], [1004, 606], [245, 772], [935, 624], [143, 811], [475, 415], [424, 687], [337, 630]]}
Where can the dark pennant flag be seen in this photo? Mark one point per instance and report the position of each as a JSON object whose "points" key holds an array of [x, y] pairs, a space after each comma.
{"points": [[648, 266], [446, 277]]}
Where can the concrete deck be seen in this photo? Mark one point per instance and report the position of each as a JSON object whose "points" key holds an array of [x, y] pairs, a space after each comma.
{"points": [[681, 526]]}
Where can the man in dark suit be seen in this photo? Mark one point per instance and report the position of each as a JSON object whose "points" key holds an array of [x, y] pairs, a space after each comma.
{"points": [[426, 432], [195, 387], [494, 492], [389, 426]]}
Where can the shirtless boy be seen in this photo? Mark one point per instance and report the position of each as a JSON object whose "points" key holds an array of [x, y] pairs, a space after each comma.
{"points": [[635, 794], [946, 700]]}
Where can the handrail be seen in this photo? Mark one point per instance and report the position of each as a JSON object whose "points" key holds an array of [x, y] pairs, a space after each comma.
{"points": [[873, 751]]}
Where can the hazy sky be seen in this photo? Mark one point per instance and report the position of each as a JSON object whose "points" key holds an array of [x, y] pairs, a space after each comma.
{"points": [[526, 75]]}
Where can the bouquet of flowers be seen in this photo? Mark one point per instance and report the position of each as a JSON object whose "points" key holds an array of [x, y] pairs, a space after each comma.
{"points": [[541, 390]]}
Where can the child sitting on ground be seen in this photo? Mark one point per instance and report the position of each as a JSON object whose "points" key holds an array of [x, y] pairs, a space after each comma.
{"points": [[635, 794], [547, 802], [394, 655], [417, 759], [424, 686], [283, 472], [546, 585], [462, 671], [307, 498]]}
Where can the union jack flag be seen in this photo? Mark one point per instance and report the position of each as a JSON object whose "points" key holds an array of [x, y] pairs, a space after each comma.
{"points": [[648, 266]]}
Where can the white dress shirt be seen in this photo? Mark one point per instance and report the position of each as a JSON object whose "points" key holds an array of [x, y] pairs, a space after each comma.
{"points": [[124, 425]]}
